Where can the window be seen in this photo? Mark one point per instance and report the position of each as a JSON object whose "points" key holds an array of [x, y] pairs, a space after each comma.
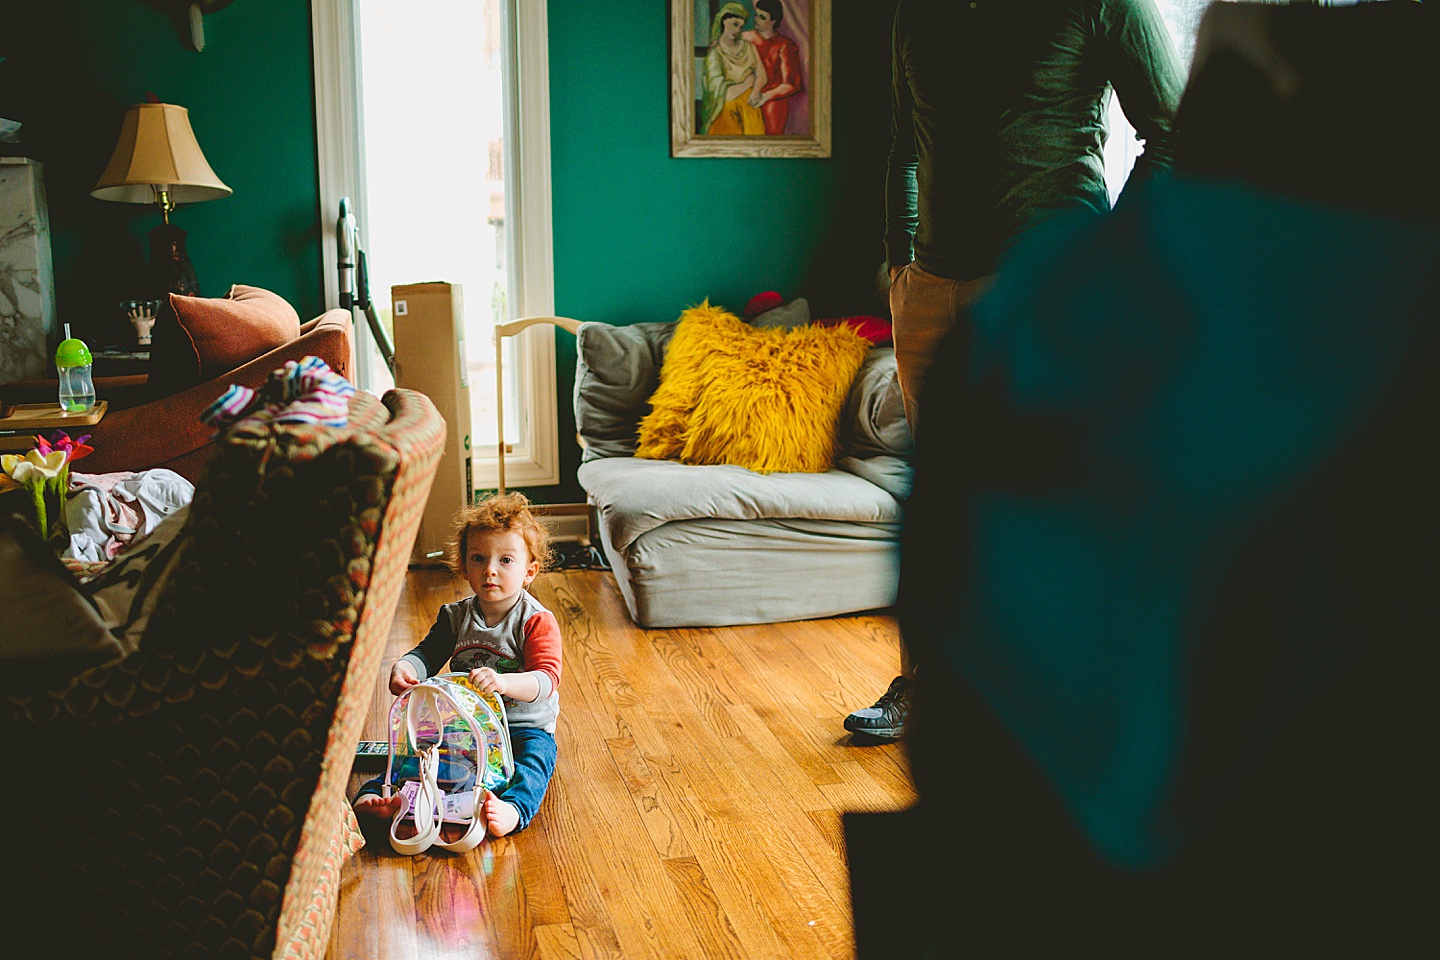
{"points": [[1183, 19], [433, 118]]}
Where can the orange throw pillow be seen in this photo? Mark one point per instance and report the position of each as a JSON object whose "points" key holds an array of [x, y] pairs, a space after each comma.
{"points": [[230, 331]]}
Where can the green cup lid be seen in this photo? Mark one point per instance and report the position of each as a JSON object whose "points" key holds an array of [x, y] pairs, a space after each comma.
{"points": [[72, 353]]}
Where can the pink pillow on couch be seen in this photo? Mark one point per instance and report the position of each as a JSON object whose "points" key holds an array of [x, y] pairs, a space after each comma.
{"points": [[200, 338], [232, 330]]}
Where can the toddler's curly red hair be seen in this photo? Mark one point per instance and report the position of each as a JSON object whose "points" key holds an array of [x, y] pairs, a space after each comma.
{"points": [[510, 513]]}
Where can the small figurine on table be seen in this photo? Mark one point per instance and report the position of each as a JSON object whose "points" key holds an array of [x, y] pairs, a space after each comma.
{"points": [[142, 318]]}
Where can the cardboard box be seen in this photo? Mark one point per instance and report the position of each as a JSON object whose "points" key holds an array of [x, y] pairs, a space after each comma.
{"points": [[429, 322]]}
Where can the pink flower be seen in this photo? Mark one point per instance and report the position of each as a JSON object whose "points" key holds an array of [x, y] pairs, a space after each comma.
{"points": [[60, 440]]}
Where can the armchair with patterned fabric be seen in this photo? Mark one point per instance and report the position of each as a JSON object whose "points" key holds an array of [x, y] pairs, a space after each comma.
{"points": [[188, 798]]}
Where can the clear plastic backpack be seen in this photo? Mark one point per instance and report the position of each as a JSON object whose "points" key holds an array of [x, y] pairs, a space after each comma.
{"points": [[449, 744]]}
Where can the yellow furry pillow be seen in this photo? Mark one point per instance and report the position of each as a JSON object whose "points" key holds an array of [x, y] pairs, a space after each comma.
{"points": [[765, 399]]}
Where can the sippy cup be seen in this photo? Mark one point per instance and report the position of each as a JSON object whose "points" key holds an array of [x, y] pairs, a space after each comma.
{"points": [[73, 362]]}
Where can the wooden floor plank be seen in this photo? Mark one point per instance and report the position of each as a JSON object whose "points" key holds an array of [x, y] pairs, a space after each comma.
{"points": [[598, 802], [540, 879], [355, 931], [660, 823], [829, 824], [857, 790], [558, 942], [764, 750], [727, 804], [391, 928], [704, 910], [777, 706], [806, 722], [451, 909], [695, 809], [889, 766], [564, 833], [760, 751]]}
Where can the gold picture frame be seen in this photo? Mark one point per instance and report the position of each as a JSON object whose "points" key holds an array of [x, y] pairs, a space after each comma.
{"points": [[746, 122]]}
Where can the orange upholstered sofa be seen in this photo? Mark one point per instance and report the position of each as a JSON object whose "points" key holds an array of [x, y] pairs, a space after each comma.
{"points": [[153, 419]]}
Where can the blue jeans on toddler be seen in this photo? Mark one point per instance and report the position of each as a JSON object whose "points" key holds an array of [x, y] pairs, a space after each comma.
{"points": [[534, 751]]}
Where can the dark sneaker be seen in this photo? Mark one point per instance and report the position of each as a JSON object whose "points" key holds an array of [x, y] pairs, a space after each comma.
{"points": [[886, 719]]}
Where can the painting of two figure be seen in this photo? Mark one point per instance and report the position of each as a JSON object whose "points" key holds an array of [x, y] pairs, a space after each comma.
{"points": [[750, 78]]}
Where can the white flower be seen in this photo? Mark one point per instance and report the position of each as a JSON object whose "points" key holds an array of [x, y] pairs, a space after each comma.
{"points": [[34, 466]]}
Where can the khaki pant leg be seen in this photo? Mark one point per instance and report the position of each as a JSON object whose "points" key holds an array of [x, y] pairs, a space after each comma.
{"points": [[923, 308]]}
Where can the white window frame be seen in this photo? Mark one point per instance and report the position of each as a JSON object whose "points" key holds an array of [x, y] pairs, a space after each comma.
{"points": [[533, 459]]}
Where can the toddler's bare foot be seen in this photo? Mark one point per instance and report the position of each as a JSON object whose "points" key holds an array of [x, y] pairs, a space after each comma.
{"points": [[381, 808], [501, 818]]}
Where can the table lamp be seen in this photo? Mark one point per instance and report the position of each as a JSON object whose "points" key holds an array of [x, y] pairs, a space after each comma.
{"points": [[157, 160]]}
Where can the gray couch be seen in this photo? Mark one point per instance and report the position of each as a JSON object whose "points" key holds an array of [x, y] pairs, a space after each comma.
{"points": [[722, 545]]}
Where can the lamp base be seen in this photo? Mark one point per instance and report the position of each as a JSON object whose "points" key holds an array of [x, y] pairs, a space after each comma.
{"points": [[170, 267]]}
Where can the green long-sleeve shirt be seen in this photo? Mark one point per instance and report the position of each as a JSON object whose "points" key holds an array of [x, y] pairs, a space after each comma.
{"points": [[998, 117]]}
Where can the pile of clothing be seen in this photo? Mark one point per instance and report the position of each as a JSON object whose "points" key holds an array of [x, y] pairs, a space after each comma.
{"points": [[106, 512]]}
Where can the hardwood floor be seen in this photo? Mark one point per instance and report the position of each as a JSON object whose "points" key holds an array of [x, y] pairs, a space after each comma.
{"points": [[695, 811]]}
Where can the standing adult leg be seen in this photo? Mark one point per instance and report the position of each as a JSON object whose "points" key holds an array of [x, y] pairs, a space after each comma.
{"points": [[923, 309]]}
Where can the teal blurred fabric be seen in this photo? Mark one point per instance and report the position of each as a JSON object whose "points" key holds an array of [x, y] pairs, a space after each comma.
{"points": [[1170, 559], [1181, 422]]}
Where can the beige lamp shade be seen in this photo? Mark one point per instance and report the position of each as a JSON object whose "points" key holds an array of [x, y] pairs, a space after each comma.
{"points": [[157, 149]]}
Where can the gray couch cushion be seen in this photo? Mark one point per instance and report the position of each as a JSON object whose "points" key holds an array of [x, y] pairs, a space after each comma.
{"points": [[873, 423], [790, 315], [617, 369], [635, 496], [709, 573], [894, 475]]}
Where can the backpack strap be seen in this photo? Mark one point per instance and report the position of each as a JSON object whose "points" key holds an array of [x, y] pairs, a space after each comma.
{"points": [[475, 824], [424, 804], [387, 787]]}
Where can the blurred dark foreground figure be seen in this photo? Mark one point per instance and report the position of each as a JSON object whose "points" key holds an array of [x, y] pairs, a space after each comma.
{"points": [[1177, 610]]}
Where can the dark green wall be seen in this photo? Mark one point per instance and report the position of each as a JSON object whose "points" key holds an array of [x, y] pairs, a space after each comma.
{"points": [[70, 71], [638, 235]]}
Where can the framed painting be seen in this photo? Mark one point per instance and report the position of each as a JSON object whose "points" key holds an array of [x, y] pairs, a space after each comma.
{"points": [[750, 78]]}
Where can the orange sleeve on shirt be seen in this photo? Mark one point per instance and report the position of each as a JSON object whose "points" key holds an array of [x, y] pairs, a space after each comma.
{"points": [[542, 646]]}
